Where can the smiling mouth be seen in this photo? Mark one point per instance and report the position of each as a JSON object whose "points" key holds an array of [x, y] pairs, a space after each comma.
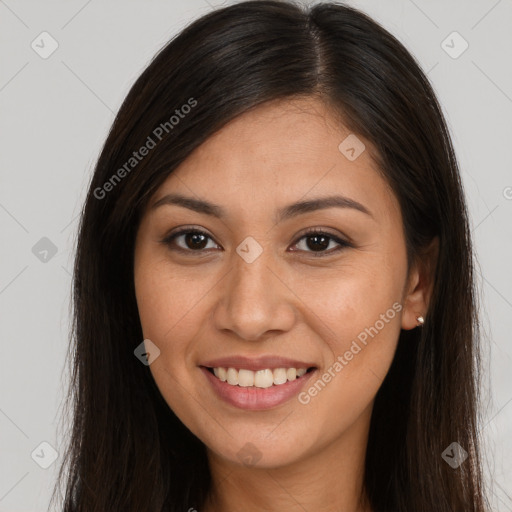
{"points": [[264, 378]]}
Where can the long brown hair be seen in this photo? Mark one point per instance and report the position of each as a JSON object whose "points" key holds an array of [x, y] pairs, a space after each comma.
{"points": [[128, 451]]}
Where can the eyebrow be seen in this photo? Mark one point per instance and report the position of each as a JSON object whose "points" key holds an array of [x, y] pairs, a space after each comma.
{"points": [[292, 210]]}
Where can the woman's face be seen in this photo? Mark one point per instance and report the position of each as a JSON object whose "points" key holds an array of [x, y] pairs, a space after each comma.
{"points": [[254, 292]]}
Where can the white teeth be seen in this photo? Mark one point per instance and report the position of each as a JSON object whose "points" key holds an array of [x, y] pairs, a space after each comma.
{"points": [[263, 378], [221, 373], [260, 378], [280, 376], [245, 378], [232, 376]]}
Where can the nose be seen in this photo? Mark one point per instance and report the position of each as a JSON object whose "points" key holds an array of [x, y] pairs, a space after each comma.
{"points": [[254, 300]]}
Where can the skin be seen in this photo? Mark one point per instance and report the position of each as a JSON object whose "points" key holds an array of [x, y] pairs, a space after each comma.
{"points": [[287, 302]]}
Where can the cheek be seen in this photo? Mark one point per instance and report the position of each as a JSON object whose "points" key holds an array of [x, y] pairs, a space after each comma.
{"points": [[351, 299], [359, 312], [159, 311], [360, 358], [171, 308], [166, 297], [153, 301], [167, 306]]}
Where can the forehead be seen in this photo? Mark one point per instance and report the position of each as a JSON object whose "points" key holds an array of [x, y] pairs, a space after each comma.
{"points": [[278, 153]]}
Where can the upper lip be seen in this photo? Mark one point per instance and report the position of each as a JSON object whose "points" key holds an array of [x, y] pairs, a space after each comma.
{"points": [[256, 363]]}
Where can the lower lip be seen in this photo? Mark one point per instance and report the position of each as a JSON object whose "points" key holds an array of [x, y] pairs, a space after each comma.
{"points": [[256, 399]]}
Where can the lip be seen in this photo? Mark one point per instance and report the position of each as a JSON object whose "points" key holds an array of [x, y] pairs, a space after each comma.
{"points": [[256, 363], [256, 399]]}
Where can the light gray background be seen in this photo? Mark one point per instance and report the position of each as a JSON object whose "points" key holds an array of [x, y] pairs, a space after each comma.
{"points": [[55, 114]]}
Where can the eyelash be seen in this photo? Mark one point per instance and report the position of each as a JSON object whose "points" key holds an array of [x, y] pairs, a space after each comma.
{"points": [[168, 241]]}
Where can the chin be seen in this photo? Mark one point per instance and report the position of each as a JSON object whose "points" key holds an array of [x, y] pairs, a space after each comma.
{"points": [[260, 453]]}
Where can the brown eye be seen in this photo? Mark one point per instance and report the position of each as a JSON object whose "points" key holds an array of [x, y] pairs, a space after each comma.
{"points": [[317, 243], [191, 240], [194, 240]]}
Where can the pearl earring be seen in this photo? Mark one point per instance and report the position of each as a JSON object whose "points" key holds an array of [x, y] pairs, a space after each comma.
{"points": [[420, 320]]}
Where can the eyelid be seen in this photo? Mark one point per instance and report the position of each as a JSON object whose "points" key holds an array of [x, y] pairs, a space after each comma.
{"points": [[340, 238], [185, 229]]}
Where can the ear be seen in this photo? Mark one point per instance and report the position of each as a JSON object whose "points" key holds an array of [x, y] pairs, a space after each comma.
{"points": [[420, 284]]}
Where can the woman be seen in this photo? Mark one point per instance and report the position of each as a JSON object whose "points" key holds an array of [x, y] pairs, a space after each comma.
{"points": [[274, 298]]}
